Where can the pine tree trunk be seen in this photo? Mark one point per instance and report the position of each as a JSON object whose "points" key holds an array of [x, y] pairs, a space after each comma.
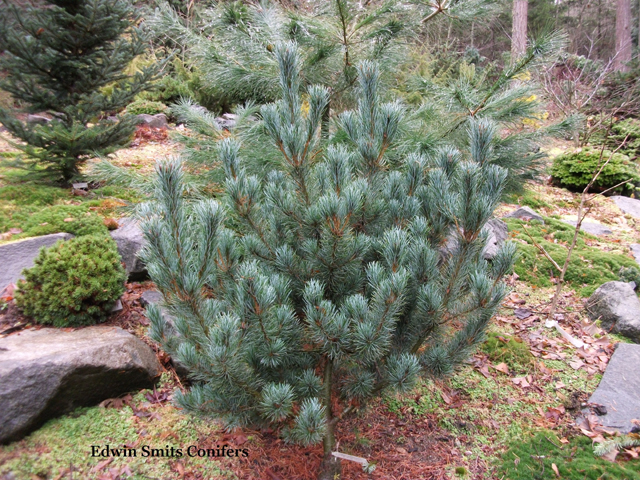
{"points": [[623, 36], [330, 467], [519, 28]]}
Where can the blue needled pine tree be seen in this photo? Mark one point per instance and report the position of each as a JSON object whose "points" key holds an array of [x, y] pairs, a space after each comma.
{"points": [[305, 293]]}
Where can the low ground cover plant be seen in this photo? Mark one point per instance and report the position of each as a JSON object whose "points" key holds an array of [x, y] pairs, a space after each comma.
{"points": [[589, 268]]}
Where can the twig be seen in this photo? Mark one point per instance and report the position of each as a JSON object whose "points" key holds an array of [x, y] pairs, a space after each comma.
{"points": [[541, 249]]}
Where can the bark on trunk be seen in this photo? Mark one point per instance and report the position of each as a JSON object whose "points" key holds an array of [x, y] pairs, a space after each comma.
{"points": [[519, 28], [623, 36], [330, 468]]}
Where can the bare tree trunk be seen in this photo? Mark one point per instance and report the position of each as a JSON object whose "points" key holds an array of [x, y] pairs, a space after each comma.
{"points": [[623, 36], [330, 467], [519, 28]]}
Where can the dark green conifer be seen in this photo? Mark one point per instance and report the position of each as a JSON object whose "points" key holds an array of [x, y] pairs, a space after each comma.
{"points": [[67, 58], [335, 277]]}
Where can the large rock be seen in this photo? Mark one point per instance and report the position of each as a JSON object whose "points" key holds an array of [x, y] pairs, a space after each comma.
{"points": [[128, 236], [159, 120], [635, 249], [594, 228], [619, 389], [37, 119], [16, 256], [524, 213], [628, 205], [48, 372], [498, 233], [227, 121], [616, 305]]}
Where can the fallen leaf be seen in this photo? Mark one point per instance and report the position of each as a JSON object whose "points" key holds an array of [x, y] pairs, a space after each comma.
{"points": [[401, 450], [502, 367], [522, 313], [69, 219], [576, 364], [554, 467]]}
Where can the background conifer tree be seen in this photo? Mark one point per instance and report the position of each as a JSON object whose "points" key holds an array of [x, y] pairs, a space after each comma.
{"points": [[337, 276], [68, 58]]}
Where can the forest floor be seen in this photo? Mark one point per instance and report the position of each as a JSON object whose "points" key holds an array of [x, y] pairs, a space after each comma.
{"points": [[509, 413]]}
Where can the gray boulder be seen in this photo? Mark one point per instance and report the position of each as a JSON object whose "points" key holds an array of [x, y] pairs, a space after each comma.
{"points": [[594, 228], [159, 120], [498, 234], [524, 213], [128, 236], [37, 119], [628, 205], [49, 372], [16, 256], [635, 250], [617, 307], [619, 389], [150, 297], [227, 121]]}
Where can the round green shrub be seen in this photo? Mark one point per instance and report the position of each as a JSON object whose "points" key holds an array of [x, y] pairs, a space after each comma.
{"points": [[575, 170], [146, 106], [73, 283]]}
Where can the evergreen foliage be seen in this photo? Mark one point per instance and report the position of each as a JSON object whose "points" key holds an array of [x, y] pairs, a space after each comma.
{"points": [[575, 170], [331, 279], [61, 57], [147, 107], [463, 92], [231, 44], [73, 283]]}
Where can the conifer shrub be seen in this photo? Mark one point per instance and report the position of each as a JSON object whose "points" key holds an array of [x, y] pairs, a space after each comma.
{"points": [[73, 283], [630, 274], [575, 170], [67, 58], [332, 278], [146, 106]]}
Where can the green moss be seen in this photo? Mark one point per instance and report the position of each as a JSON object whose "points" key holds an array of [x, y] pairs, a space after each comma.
{"points": [[75, 219], [508, 349], [35, 195], [422, 400], [532, 459], [67, 441], [528, 198], [575, 170], [589, 268]]}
